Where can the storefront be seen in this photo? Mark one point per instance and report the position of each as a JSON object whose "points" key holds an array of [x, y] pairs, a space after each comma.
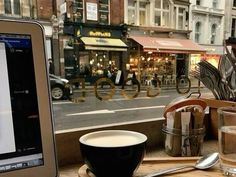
{"points": [[96, 50], [166, 57]]}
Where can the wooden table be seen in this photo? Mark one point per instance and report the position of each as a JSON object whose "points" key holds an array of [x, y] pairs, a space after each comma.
{"points": [[156, 160]]}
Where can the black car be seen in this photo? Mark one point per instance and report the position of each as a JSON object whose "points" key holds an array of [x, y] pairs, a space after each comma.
{"points": [[60, 89]]}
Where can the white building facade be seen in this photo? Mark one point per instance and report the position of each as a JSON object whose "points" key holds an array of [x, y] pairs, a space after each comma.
{"points": [[207, 24]]}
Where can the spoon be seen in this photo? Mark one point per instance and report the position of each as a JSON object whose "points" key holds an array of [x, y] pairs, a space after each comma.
{"points": [[203, 163]]}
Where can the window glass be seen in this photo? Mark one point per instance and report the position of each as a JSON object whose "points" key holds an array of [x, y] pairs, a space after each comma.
{"points": [[142, 4], [162, 15], [214, 3], [197, 32], [165, 4], [165, 19], [131, 3], [180, 22], [213, 33], [142, 17], [234, 3], [158, 4], [142, 12], [7, 5], [233, 27], [198, 2], [157, 18], [17, 7], [131, 16], [181, 18]]}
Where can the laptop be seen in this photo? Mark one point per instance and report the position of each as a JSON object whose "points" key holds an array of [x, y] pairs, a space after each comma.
{"points": [[27, 146]]}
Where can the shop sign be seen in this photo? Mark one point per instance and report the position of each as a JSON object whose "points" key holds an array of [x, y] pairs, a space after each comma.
{"points": [[100, 40], [168, 43], [99, 33]]}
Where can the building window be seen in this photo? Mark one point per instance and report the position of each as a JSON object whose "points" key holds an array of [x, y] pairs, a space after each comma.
{"points": [[142, 13], [233, 27], [131, 12], [12, 7], [103, 12], [198, 2], [78, 10], [181, 16], [234, 3], [162, 13], [213, 33], [197, 32], [215, 4]]}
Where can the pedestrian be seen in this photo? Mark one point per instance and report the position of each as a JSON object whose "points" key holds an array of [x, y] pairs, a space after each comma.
{"points": [[51, 66]]}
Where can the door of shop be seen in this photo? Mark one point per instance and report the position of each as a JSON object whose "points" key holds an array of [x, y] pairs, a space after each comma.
{"points": [[70, 64], [180, 65]]}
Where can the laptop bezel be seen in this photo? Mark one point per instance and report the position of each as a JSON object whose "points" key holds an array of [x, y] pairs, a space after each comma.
{"points": [[35, 30]]}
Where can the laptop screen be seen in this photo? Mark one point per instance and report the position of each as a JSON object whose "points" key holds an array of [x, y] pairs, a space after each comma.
{"points": [[20, 136]]}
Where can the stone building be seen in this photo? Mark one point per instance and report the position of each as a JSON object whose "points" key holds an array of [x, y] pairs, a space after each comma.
{"points": [[207, 19], [39, 10]]}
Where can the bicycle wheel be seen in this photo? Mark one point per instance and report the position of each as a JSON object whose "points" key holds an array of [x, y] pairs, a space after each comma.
{"points": [[155, 89], [130, 88], [183, 85], [104, 88]]}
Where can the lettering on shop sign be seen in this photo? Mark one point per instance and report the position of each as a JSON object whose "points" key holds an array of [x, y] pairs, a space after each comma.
{"points": [[104, 88], [99, 33]]}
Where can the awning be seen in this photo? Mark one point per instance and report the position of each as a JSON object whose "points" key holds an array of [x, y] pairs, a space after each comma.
{"points": [[168, 45], [111, 44]]}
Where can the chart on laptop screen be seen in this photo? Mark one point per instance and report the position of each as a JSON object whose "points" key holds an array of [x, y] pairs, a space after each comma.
{"points": [[20, 136]]}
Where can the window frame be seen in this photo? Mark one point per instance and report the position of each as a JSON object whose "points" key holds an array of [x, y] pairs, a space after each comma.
{"points": [[233, 27], [215, 4], [13, 6], [234, 3], [133, 9], [140, 10], [213, 33], [178, 14], [198, 2], [161, 10], [197, 34]]}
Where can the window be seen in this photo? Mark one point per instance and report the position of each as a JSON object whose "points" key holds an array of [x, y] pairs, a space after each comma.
{"points": [[131, 12], [197, 32], [180, 17], [213, 33], [198, 2], [78, 10], [142, 13], [215, 3], [233, 27], [162, 13], [234, 3], [12, 7], [103, 12]]}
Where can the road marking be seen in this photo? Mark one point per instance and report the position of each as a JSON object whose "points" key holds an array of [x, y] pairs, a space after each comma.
{"points": [[103, 111], [106, 111]]}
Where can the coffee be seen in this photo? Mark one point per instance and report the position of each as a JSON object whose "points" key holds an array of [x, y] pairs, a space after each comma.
{"points": [[113, 139]]}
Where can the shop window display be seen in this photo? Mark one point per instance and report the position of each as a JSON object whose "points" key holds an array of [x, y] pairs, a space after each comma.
{"points": [[159, 65]]}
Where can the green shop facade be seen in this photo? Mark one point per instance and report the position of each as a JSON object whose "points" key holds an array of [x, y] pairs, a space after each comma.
{"points": [[90, 49]]}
